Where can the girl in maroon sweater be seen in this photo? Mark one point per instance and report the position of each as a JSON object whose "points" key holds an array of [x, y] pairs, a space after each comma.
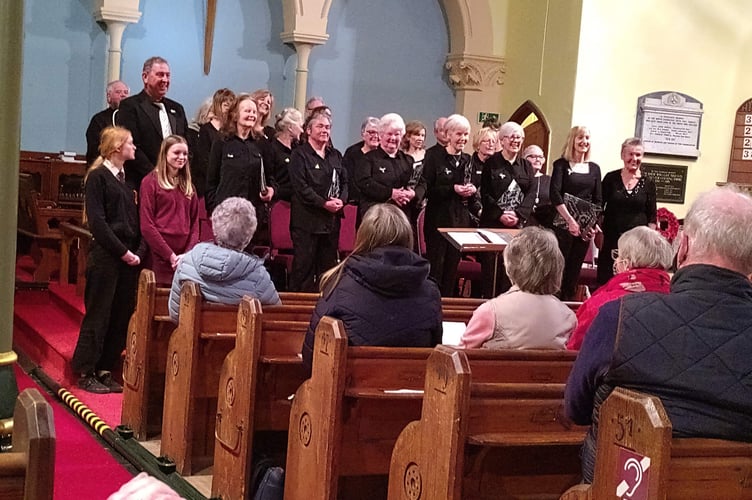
{"points": [[169, 209]]}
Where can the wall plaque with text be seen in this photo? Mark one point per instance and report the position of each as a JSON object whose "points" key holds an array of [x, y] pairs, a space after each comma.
{"points": [[669, 123], [670, 181]]}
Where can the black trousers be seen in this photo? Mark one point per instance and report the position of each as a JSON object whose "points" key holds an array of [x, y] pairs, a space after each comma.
{"points": [[443, 258], [110, 298], [314, 255], [574, 249]]}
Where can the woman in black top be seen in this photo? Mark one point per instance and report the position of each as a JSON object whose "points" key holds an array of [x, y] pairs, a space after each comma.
{"points": [[451, 201], [112, 266], [576, 175], [536, 208], [629, 201], [289, 126], [208, 133], [240, 164]]}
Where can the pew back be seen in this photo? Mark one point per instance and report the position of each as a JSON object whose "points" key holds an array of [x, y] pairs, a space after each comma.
{"points": [[28, 472]]}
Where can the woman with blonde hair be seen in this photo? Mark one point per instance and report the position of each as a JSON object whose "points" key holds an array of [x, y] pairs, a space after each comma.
{"points": [[574, 175], [112, 266], [169, 209], [264, 103], [208, 133], [528, 315], [381, 291]]}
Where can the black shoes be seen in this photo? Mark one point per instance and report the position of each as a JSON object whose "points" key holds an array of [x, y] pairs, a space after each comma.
{"points": [[107, 380], [102, 384], [90, 383]]}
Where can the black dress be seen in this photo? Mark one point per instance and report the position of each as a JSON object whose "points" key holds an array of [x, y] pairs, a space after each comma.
{"points": [[623, 210], [586, 186]]}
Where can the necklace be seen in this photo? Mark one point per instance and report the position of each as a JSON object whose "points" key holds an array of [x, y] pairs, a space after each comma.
{"points": [[457, 158]]}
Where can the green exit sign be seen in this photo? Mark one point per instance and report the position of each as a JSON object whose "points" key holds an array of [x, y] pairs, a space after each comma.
{"points": [[484, 116]]}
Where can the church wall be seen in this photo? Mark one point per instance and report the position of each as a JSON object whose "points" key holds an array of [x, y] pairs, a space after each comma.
{"points": [[380, 57]]}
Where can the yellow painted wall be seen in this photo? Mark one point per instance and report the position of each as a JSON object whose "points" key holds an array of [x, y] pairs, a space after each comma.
{"points": [[541, 54], [698, 48]]}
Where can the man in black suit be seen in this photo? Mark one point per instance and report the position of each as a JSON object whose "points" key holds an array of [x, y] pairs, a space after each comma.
{"points": [[141, 115], [116, 91]]}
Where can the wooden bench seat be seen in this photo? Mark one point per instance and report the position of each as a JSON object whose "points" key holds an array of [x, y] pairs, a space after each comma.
{"points": [[484, 440], [345, 419], [637, 457], [197, 349], [28, 471]]}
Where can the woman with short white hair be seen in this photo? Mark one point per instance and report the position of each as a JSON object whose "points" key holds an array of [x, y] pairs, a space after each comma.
{"points": [[452, 200], [384, 173], [641, 262]]}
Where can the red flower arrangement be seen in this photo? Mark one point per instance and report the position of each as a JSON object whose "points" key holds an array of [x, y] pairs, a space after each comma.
{"points": [[667, 224]]}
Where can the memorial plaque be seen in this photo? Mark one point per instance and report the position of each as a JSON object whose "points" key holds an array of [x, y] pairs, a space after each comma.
{"points": [[669, 123], [670, 181]]}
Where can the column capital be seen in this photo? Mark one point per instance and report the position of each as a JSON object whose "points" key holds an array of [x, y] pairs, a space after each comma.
{"points": [[305, 22], [125, 11], [475, 72], [296, 37]]}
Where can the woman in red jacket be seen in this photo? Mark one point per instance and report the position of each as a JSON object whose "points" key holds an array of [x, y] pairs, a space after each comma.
{"points": [[640, 265]]}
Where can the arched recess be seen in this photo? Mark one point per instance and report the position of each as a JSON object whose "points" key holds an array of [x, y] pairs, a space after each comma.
{"points": [[537, 130]]}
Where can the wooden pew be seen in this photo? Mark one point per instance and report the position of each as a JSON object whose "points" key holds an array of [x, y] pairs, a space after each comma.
{"points": [[344, 422], [145, 359], [258, 377], [74, 236], [196, 351], [637, 457], [484, 440], [28, 472]]}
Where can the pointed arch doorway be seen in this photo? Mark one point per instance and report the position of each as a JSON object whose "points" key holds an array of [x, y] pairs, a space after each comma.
{"points": [[536, 127]]}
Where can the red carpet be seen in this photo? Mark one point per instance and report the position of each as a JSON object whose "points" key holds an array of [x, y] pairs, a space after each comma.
{"points": [[84, 469]]}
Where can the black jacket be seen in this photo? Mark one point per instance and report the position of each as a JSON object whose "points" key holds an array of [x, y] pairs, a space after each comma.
{"points": [[445, 208], [384, 298], [378, 173], [138, 114]]}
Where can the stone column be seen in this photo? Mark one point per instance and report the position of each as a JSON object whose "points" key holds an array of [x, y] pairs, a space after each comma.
{"points": [[116, 14], [305, 27], [11, 60]]}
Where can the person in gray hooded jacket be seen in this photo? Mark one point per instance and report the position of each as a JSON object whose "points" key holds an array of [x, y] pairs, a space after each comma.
{"points": [[223, 271]]}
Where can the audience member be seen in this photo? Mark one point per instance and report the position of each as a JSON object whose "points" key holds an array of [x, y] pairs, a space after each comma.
{"points": [[319, 186], [264, 104], [289, 126], [150, 116], [112, 264], [690, 347], [210, 132], [369, 133], [381, 291], [241, 164], [642, 259], [536, 208], [504, 181], [143, 487], [169, 210], [452, 201], [223, 272], [117, 90], [576, 175], [534, 264], [384, 174], [629, 201]]}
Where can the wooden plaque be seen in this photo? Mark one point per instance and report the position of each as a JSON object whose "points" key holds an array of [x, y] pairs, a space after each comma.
{"points": [[740, 162]]}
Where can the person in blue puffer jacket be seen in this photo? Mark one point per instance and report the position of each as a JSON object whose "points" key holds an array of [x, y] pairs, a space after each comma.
{"points": [[381, 291], [223, 271]]}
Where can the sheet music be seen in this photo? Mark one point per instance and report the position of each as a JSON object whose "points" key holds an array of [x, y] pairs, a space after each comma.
{"points": [[493, 237], [453, 331], [467, 238]]}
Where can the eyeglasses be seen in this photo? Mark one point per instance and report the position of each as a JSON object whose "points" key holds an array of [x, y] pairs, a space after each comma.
{"points": [[372, 132], [514, 138], [535, 157]]}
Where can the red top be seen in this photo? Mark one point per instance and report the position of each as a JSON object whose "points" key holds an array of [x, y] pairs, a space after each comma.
{"points": [[654, 280]]}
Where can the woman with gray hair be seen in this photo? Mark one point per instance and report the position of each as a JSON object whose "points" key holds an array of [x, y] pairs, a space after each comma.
{"points": [[534, 265], [640, 264], [369, 133], [384, 174], [223, 272], [289, 126]]}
